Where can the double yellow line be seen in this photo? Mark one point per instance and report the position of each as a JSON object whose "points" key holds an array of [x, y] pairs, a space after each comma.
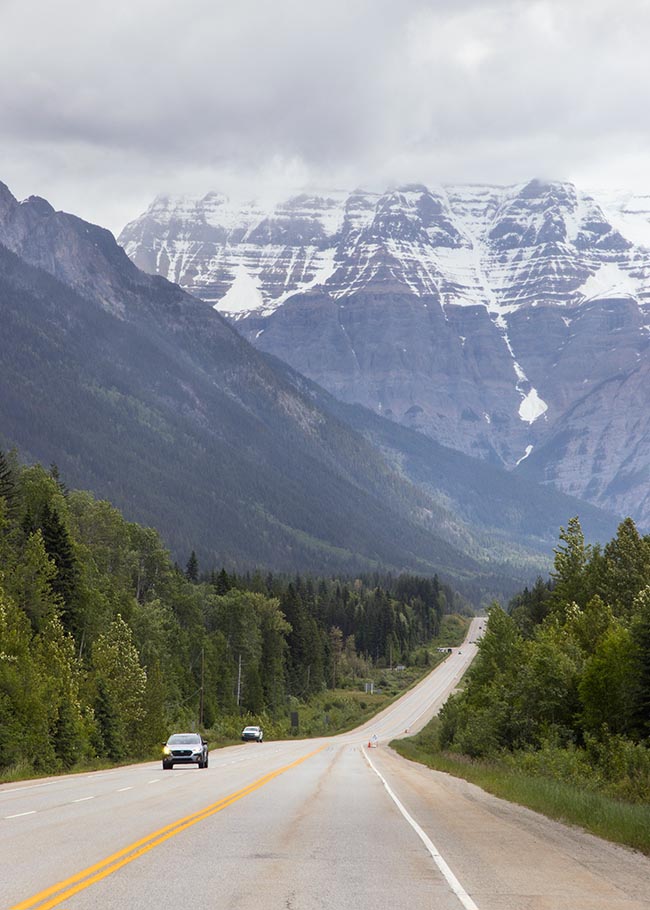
{"points": [[56, 894]]}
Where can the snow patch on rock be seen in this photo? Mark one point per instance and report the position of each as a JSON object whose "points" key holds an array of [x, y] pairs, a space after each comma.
{"points": [[243, 295], [609, 280], [532, 407]]}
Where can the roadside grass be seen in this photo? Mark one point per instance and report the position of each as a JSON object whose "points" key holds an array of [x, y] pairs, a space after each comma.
{"points": [[453, 630], [614, 820], [339, 710], [21, 770]]}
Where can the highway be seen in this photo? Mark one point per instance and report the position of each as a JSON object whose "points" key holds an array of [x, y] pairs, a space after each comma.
{"points": [[299, 825]]}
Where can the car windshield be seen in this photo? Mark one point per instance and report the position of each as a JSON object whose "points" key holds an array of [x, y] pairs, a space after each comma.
{"points": [[183, 739], [252, 729]]}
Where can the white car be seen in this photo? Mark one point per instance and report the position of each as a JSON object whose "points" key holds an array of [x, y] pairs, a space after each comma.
{"points": [[185, 749], [252, 734]]}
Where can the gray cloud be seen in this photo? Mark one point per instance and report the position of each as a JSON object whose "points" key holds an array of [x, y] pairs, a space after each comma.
{"points": [[102, 105]]}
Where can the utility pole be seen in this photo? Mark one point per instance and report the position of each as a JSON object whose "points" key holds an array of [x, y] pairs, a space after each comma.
{"points": [[202, 686], [239, 682]]}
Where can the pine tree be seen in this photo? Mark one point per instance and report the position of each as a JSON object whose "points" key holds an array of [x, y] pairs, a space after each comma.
{"points": [[65, 736], [7, 482], [336, 650], [59, 547], [32, 583], [192, 569], [110, 729], [56, 477], [222, 583]]}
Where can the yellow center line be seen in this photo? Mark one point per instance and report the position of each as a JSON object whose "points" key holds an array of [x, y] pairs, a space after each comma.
{"points": [[81, 880]]}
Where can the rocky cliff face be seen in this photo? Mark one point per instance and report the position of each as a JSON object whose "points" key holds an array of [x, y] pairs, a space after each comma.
{"points": [[509, 323]]}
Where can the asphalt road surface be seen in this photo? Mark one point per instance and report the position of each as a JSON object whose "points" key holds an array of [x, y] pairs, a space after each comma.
{"points": [[299, 825]]}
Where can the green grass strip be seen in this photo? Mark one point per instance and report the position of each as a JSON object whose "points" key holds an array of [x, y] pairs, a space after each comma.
{"points": [[614, 820]]}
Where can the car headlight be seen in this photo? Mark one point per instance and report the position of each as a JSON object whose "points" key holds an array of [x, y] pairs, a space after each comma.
{"points": [[167, 750]]}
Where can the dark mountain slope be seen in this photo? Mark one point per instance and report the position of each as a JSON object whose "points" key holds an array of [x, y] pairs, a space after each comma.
{"points": [[498, 505], [146, 396], [235, 471]]}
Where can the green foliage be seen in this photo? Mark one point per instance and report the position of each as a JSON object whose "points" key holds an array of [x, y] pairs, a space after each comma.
{"points": [[105, 645], [110, 730], [30, 582], [641, 635], [530, 607], [571, 557], [561, 685], [119, 675], [625, 569], [607, 684]]}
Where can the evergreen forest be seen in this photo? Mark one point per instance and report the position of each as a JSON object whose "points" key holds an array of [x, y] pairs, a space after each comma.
{"points": [[107, 645]]}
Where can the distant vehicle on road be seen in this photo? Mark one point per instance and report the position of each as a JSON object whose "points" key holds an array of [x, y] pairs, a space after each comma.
{"points": [[185, 749], [252, 734]]}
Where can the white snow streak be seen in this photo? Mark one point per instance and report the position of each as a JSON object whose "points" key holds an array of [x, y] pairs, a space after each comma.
{"points": [[529, 449]]}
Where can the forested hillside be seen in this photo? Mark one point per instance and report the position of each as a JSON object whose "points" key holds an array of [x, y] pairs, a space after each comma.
{"points": [[105, 644], [561, 685]]}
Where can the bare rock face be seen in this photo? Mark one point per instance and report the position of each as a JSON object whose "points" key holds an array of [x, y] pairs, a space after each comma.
{"points": [[510, 323], [79, 254]]}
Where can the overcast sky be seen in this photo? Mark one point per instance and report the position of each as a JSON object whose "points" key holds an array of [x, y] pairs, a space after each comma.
{"points": [[103, 105]]}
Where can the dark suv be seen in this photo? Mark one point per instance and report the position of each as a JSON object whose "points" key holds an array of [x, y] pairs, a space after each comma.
{"points": [[185, 749]]}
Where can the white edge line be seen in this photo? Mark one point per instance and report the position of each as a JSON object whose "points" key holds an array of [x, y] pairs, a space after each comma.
{"points": [[21, 814], [452, 881], [29, 787]]}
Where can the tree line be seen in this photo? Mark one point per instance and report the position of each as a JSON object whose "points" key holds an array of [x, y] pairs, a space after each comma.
{"points": [[561, 684], [106, 644]]}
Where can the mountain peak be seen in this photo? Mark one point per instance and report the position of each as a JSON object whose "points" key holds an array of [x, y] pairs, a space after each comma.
{"points": [[39, 206], [7, 200]]}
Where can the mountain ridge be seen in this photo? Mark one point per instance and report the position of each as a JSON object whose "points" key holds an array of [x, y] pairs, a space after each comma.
{"points": [[478, 315], [147, 396]]}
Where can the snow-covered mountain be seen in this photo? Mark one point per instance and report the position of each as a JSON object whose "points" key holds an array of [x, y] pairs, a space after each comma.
{"points": [[511, 323]]}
